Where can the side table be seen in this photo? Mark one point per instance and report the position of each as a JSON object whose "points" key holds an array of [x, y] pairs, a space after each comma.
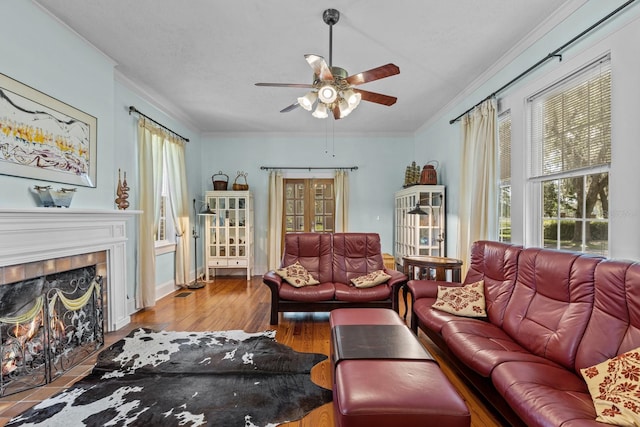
{"points": [[421, 267]]}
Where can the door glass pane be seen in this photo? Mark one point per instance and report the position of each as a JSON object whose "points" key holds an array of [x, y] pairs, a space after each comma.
{"points": [[232, 203]]}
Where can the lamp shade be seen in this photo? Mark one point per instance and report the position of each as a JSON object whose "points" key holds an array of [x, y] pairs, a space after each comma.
{"points": [[352, 98], [327, 94], [307, 101], [345, 108], [418, 210], [320, 112]]}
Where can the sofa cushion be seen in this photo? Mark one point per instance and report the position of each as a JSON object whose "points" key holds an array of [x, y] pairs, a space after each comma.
{"points": [[551, 302], [312, 250], [497, 264], [352, 294], [296, 275], [322, 292], [355, 254], [370, 280], [482, 345], [614, 386], [465, 300], [544, 394], [614, 325]]}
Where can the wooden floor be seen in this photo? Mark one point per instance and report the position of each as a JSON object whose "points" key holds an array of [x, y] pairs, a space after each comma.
{"points": [[235, 303]]}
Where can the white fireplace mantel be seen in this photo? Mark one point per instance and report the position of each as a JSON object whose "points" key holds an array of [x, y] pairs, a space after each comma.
{"points": [[36, 234]]}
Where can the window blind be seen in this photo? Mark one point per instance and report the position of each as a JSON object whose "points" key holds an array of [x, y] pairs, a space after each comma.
{"points": [[570, 122]]}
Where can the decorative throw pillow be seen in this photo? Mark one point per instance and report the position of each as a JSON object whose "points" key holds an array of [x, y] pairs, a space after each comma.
{"points": [[297, 275], [370, 280], [465, 300], [614, 386]]}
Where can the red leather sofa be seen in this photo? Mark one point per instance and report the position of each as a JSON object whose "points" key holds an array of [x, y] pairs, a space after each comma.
{"points": [[333, 259], [549, 314]]}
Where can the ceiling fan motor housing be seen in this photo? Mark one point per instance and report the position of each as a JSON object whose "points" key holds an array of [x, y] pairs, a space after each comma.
{"points": [[331, 16]]}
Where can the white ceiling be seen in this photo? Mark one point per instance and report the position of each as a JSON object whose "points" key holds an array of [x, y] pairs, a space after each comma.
{"points": [[199, 59]]}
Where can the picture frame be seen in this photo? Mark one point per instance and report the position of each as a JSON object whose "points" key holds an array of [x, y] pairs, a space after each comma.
{"points": [[45, 139]]}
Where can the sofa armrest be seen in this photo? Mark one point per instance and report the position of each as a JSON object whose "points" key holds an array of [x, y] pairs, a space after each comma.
{"points": [[397, 279], [272, 280], [427, 288]]}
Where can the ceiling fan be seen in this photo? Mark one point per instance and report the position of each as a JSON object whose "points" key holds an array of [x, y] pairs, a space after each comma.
{"points": [[332, 88]]}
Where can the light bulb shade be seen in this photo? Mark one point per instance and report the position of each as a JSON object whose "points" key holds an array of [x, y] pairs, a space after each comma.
{"points": [[320, 112], [327, 94], [345, 108], [307, 101], [417, 210], [353, 98]]}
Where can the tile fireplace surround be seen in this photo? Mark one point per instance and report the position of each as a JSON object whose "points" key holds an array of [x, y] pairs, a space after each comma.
{"points": [[29, 236]]}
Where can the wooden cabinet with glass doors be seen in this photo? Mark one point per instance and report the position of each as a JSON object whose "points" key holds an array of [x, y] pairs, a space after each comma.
{"points": [[228, 241], [420, 234]]}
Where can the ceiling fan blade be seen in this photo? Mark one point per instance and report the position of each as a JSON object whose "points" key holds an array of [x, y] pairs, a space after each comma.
{"points": [[378, 98], [373, 74], [302, 85], [336, 113], [290, 107], [319, 66]]}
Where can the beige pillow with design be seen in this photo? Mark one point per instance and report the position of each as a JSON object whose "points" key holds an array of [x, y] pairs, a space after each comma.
{"points": [[465, 300], [614, 386], [296, 275], [370, 280]]}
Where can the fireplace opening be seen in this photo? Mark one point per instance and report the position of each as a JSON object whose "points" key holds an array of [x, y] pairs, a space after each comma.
{"points": [[49, 324]]}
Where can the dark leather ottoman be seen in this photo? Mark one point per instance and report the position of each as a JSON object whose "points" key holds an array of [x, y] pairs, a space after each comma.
{"points": [[383, 377]]}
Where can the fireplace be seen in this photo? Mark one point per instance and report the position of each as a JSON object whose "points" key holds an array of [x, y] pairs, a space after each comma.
{"points": [[55, 235], [50, 322]]}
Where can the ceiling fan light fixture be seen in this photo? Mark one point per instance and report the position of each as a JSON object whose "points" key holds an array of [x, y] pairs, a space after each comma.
{"points": [[320, 112], [327, 94], [307, 101], [353, 98], [345, 108]]}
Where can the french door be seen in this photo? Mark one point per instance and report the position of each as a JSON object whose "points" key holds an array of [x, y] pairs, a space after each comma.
{"points": [[309, 205]]}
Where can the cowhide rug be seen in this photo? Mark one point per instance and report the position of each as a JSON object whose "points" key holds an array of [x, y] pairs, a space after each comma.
{"points": [[149, 378]]}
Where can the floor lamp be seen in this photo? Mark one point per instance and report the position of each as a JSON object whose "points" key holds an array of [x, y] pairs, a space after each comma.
{"points": [[197, 284]]}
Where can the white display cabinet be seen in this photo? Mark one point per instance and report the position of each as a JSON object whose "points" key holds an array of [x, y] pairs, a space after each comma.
{"points": [[228, 241], [420, 234]]}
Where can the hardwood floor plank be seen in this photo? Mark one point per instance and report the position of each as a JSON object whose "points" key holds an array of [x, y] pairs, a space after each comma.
{"points": [[234, 303]]}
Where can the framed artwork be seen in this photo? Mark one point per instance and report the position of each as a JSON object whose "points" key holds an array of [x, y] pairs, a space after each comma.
{"points": [[42, 138]]}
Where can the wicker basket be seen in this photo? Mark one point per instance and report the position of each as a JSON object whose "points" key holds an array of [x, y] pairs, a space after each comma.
{"points": [[240, 187], [219, 184]]}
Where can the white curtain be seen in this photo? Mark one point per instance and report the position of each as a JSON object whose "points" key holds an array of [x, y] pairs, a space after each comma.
{"points": [[478, 179], [177, 177], [274, 231], [150, 154], [341, 189], [155, 146]]}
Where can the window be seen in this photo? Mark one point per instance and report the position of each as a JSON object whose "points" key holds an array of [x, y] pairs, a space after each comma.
{"points": [[504, 194], [570, 130], [309, 205], [165, 230]]}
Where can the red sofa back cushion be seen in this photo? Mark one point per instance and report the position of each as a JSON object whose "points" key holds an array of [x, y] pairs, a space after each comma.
{"points": [[355, 254], [551, 303], [496, 263], [614, 326], [312, 250]]}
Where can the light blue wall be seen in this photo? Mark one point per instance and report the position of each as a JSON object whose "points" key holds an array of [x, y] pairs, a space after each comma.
{"points": [[381, 162], [442, 141], [54, 60], [40, 53]]}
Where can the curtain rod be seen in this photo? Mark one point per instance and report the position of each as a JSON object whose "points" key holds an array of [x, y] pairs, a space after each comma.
{"points": [[351, 168], [555, 54], [133, 109]]}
